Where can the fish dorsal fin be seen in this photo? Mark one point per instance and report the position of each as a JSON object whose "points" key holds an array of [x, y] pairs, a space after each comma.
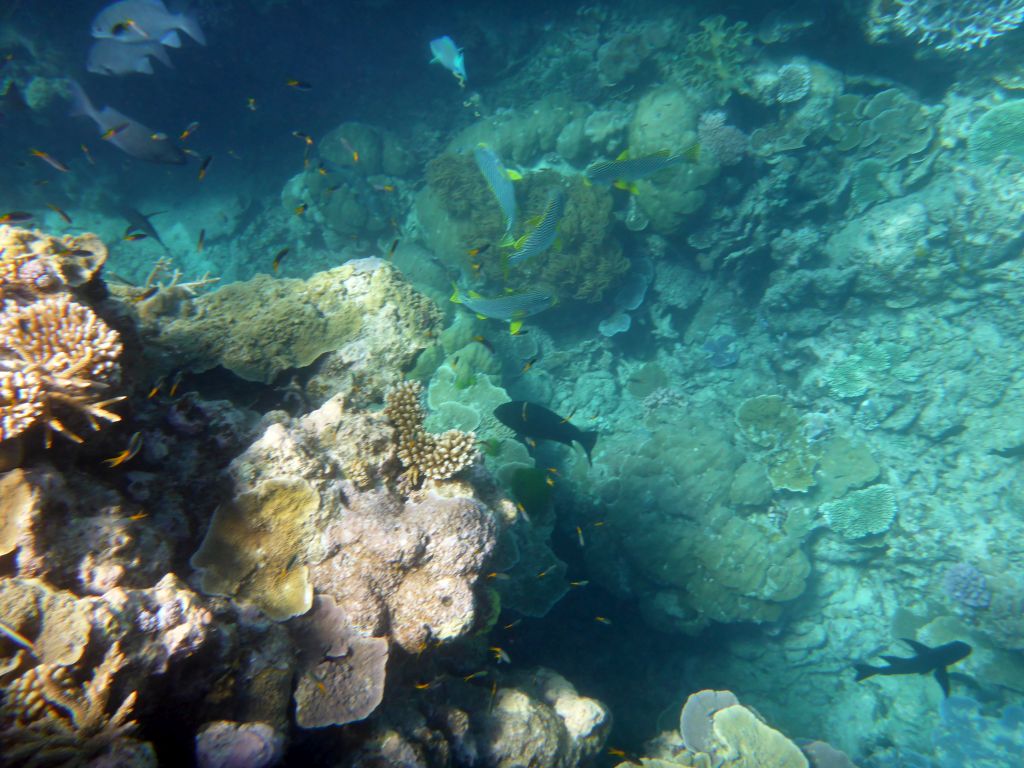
{"points": [[513, 328], [942, 675], [171, 39], [473, 295], [919, 648], [893, 660], [623, 155]]}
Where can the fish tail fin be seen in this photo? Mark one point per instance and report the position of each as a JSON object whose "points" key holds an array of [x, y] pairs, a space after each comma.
{"points": [[171, 39], [515, 327], [455, 297], [864, 671], [188, 24], [588, 440], [80, 104]]}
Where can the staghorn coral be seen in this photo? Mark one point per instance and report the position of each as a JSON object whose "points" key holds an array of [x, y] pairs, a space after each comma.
{"points": [[945, 26], [51, 721], [59, 355], [437, 457]]}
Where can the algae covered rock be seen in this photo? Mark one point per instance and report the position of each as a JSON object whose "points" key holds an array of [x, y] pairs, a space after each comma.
{"points": [[361, 312]]}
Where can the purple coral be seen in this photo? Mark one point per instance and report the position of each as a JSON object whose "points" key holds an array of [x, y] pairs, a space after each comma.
{"points": [[967, 585], [726, 143]]}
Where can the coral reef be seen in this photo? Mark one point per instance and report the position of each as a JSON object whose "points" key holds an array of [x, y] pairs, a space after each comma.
{"points": [[945, 27]]}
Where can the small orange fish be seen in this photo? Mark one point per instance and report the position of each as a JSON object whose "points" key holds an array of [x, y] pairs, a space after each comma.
{"points": [[546, 571], [578, 584], [278, 256], [304, 136], [157, 386], [478, 250], [201, 242], [60, 212], [513, 625], [301, 209], [424, 686], [131, 237], [550, 481], [110, 133], [579, 535], [475, 675], [145, 294], [500, 655], [15, 217], [134, 446], [88, 154], [175, 383], [298, 85], [138, 516], [192, 128], [49, 160], [203, 166], [322, 169]]}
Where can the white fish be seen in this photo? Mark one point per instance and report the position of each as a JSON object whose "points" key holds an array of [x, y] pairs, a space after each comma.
{"points": [[449, 56], [112, 57], [129, 135], [137, 20]]}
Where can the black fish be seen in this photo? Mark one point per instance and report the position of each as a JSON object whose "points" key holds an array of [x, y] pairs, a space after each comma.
{"points": [[537, 422], [141, 222], [925, 660]]}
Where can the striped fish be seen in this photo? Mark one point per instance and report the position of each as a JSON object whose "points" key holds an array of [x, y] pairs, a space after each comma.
{"points": [[624, 169], [543, 237], [512, 307], [499, 179]]}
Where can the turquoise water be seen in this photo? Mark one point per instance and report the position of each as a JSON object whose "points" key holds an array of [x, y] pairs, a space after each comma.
{"points": [[771, 257]]}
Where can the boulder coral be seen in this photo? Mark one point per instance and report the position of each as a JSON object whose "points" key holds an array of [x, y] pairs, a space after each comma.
{"points": [[359, 312]]}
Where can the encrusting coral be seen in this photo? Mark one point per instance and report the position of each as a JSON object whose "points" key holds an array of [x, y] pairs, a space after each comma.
{"points": [[424, 455]]}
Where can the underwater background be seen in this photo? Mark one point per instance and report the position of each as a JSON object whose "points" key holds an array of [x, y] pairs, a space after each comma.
{"points": [[486, 384]]}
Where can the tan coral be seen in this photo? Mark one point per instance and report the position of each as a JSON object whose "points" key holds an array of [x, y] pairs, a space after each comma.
{"points": [[33, 263], [424, 455], [61, 354], [53, 722], [55, 622]]}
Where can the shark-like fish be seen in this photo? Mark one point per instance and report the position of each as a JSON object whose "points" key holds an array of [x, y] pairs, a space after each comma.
{"points": [[544, 235], [924, 661], [499, 179], [449, 55]]}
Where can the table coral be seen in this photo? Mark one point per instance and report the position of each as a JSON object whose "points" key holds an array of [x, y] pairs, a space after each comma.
{"points": [[862, 513]]}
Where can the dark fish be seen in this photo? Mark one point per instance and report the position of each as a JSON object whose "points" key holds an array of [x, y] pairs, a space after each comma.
{"points": [[60, 212], [192, 128], [203, 166], [15, 217], [392, 249], [299, 85], [131, 237], [138, 221], [201, 241], [133, 139], [924, 661], [1009, 453], [537, 422], [278, 256], [304, 136]]}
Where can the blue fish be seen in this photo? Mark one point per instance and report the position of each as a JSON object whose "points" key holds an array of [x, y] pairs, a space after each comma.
{"points": [[544, 235], [449, 55], [499, 179]]}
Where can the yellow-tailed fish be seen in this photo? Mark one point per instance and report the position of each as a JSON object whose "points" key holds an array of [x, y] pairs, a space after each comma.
{"points": [[60, 212], [49, 159], [543, 236], [500, 181], [512, 307], [624, 170]]}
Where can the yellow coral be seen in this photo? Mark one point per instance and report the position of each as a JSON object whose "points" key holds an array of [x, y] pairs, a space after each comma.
{"points": [[59, 354], [437, 457]]}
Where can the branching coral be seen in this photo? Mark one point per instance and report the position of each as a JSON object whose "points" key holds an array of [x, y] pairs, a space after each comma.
{"points": [[59, 354], [947, 26], [50, 721], [424, 455]]}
